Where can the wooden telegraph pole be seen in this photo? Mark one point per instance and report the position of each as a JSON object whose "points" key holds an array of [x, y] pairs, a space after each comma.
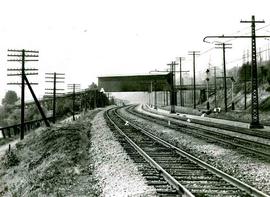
{"points": [[194, 53], [54, 78], [224, 47], [74, 87], [173, 92], [23, 56]]}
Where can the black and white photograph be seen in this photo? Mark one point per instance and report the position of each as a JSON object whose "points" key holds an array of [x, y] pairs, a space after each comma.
{"points": [[134, 98]]}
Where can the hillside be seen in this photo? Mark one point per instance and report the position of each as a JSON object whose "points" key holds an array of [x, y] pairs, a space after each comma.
{"points": [[51, 162], [72, 158]]}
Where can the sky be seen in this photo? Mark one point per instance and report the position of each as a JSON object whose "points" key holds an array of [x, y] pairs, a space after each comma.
{"points": [[89, 38]]}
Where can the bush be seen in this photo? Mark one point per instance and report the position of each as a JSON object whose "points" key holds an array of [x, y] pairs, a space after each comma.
{"points": [[11, 159], [267, 89]]}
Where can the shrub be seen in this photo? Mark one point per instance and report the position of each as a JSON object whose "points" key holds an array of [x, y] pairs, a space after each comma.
{"points": [[267, 89], [11, 159]]}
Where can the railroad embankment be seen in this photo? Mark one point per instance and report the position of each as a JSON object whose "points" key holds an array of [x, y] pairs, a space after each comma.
{"points": [[72, 158], [51, 162]]}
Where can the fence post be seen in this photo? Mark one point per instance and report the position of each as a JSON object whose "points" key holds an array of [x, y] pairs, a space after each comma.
{"points": [[3, 133], [9, 134]]}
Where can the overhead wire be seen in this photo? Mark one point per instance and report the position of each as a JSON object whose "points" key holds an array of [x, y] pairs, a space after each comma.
{"points": [[232, 39], [237, 32], [239, 59]]}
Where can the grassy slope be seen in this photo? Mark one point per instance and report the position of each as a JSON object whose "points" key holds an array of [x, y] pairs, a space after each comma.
{"points": [[52, 162]]}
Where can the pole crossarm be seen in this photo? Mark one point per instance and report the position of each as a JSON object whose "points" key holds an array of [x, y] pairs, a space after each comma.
{"points": [[223, 45], [20, 83], [53, 89], [253, 21], [19, 74], [55, 77], [53, 81], [19, 69], [223, 36], [27, 51]]}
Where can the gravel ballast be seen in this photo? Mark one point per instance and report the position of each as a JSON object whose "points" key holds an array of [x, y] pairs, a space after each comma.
{"points": [[250, 170], [116, 172]]}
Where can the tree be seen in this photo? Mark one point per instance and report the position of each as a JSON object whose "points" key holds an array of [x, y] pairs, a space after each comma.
{"points": [[10, 98], [93, 86], [241, 73]]}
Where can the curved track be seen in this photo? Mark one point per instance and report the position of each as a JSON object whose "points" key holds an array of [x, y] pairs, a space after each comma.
{"points": [[206, 132], [163, 164]]}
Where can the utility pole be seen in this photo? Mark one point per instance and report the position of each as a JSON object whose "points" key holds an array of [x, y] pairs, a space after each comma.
{"points": [[215, 81], [207, 84], [173, 92], [194, 53], [245, 65], [233, 81], [255, 123], [224, 46], [149, 100], [167, 99], [164, 97], [74, 87], [22, 56], [155, 94], [23, 95], [181, 81], [150, 96], [54, 78]]}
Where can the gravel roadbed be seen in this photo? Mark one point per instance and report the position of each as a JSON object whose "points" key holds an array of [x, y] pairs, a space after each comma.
{"points": [[116, 172], [252, 171], [163, 114]]}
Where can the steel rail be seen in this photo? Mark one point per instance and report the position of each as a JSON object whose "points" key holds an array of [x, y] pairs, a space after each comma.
{"points": [[197, 126], [237, 183], [246, 131], [172, 181], [213, 125]]}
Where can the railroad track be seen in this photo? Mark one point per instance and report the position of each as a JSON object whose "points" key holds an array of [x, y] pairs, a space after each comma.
{"points": [[253, 132], [171, 170], [208, 133]]}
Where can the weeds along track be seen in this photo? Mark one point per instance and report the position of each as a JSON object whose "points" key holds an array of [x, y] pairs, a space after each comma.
{"points": [[210, 133], [170, 170]]}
